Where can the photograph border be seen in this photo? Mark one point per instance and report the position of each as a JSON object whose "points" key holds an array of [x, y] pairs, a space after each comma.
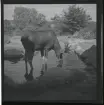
{"points": [[99, 4]]}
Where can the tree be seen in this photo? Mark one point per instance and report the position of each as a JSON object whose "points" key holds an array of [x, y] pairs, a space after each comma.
{"points": [[25, 16], [72, 20], [42, 18], [57, 20], [7, 26], [75, 18]]}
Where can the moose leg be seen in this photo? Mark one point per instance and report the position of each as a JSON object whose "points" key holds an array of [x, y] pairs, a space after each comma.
{"points": [[30, 58], [42, 69], [30, 63], [44, 54], [26, 74], [45, 58], [60, 60]]}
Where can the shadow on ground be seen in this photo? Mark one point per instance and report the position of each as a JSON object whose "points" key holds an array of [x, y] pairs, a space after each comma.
{"points": [[76, 85]]}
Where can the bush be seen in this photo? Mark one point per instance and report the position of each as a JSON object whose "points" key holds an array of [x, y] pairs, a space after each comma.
{"points": [[85, 35], [25, 16], [8, 27], [88, 32], [75, 18]]}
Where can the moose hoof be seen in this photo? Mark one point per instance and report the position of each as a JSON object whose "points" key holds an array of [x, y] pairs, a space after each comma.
{"points": [[30, 78], [26, 75]]}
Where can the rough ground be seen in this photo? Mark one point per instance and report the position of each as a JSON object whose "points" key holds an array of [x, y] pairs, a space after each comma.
{"points": [[74, 81]]}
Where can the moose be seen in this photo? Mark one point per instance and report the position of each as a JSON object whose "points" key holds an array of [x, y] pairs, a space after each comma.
{"points": [[43, 41]]}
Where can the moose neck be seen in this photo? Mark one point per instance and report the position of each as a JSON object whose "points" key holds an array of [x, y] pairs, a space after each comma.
{"points": [[57, 51], [57, 48]]}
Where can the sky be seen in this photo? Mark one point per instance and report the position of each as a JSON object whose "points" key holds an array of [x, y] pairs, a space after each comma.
{"points": [[49, 10]]}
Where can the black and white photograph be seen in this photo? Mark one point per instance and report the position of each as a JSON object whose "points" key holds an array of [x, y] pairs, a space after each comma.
{"points": [[50, 52]]}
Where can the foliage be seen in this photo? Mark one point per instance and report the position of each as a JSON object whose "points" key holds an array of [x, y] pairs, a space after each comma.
{"points": [[89, 32], [73, 19], [76, 18], [25, 16], [8, 27]]}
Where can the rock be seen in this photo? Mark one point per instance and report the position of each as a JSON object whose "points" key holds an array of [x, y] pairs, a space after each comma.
{"points": [[14, 49], [90, 56]]}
